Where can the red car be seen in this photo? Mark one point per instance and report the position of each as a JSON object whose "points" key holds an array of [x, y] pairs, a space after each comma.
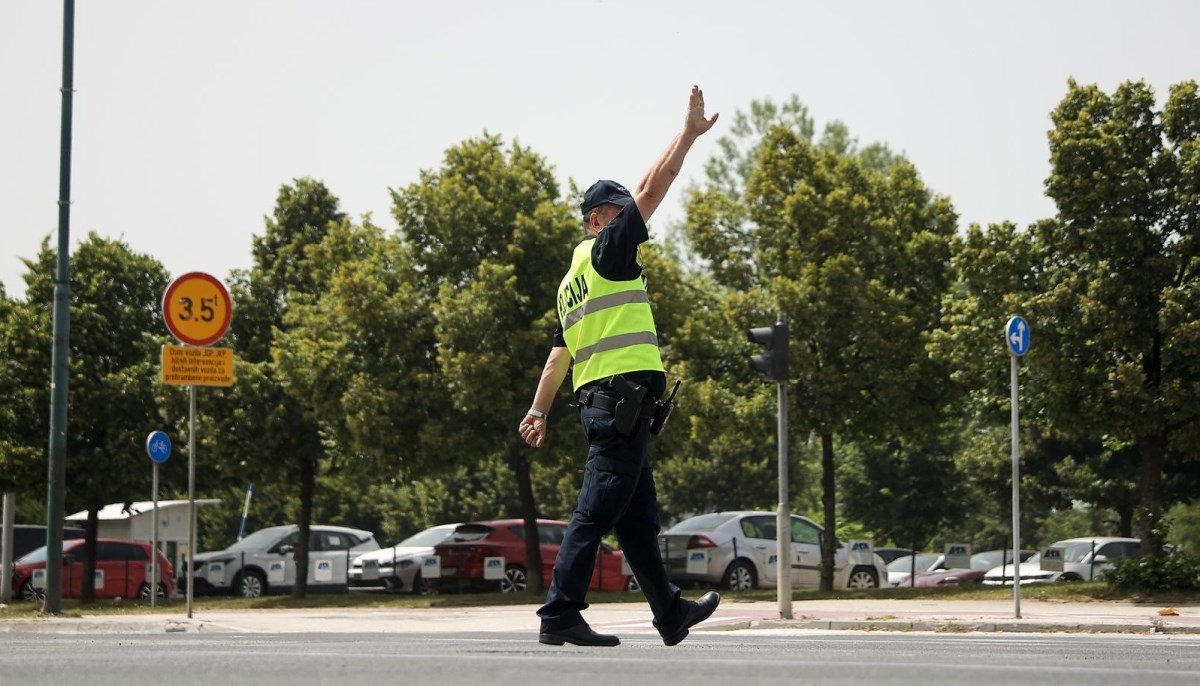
{"points": [[121, 568], [980, 563], [462, 558]]}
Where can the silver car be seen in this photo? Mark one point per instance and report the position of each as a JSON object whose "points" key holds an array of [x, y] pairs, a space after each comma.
{"points": [[1083, 559], [398, 568], [263, 561], [737, 551]]}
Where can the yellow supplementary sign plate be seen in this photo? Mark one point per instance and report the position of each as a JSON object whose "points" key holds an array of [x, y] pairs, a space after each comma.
{"points": [[185, 365]]}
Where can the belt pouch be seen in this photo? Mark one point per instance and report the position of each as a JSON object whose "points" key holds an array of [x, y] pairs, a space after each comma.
{"points": [[629, 407]]}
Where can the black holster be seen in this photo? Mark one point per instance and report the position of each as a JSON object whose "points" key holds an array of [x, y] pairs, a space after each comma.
{"points": [[629, 408]]}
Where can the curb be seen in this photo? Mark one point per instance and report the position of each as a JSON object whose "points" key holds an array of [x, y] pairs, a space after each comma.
{"points": [[970, 627]]}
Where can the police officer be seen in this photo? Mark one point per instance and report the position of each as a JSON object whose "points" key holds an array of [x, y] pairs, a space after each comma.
{"points": [[606, 329]]}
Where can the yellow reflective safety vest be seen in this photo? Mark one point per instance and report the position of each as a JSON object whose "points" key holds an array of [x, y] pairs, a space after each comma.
{"points": [[608, 325]]}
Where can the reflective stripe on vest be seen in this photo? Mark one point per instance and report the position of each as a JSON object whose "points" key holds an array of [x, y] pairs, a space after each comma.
{"points": [[608, 326]]}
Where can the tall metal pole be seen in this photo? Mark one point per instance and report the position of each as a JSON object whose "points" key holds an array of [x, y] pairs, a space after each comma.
{"points": [[783, 527], [154, 579], [57, 470], [191, 566], [1016, 496], [6, 550], [783, 524]]}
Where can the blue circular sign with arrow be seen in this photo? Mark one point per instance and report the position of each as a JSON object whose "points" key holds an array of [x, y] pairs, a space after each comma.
{"points": [[1016, 336], [158, 446]]}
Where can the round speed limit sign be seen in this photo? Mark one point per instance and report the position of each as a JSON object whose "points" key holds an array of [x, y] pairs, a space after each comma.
{"points": [[197, 309]]}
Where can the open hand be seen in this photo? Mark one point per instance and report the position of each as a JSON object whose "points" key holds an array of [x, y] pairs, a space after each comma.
{"points": [[695, 124]]}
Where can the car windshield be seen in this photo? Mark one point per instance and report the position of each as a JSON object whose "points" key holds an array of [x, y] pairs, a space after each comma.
{"points": [[262, 539], [706, 522], [1073, 551], [905, 564], [428, 537], [39, 554]]}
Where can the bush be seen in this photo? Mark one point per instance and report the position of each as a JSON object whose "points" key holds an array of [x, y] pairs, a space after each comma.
{"points": [[1176, 571]]}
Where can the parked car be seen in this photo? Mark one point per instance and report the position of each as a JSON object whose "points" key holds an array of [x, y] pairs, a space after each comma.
{"points": [[979, 565], [737, 551], [122, 569], [900, 569], [264, 560], [398, 568], [463, 558], [1084, 559]]}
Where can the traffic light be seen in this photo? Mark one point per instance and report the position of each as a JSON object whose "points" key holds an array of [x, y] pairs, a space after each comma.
{"points": [[772, 362]]}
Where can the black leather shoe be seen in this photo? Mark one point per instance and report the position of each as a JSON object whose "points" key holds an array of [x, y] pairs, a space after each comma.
{"points": [[696, 612], [580, 635]]}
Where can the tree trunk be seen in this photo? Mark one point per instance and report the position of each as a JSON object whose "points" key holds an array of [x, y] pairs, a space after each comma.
{"points": [[1149, 520], [828, 498], [308, 487], [533, 550], [1125, 515]]}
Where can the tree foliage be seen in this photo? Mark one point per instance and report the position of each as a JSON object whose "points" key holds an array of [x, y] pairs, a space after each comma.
{"points": [[490, 235], [1121, 330]]}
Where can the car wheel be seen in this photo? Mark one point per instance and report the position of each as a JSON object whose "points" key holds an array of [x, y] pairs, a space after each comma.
{"points": [[28, 592], [631, 585], [144, 591], [514, 580], [250, 585], [740, 577], [1069, 577], [862, 578], [423, 586]]}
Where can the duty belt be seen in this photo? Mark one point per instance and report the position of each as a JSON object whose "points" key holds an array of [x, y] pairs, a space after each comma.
{"points": [[608, 403]]}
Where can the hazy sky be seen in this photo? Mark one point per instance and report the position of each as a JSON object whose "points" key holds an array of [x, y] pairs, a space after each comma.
{"points": [[189, 116]]}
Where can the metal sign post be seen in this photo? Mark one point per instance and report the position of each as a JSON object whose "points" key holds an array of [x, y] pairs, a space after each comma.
{"points": [[6, 547], [158, 447], [198, 311], [191, 566], [1017, 338]]}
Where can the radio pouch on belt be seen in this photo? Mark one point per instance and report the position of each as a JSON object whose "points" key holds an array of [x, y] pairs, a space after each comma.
{"points": [[629, 407], [663, 412]]}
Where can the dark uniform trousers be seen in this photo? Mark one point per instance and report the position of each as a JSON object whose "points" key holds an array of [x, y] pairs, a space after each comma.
{"points": [[617, 495]]}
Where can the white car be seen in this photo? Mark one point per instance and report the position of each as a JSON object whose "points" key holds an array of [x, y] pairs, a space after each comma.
{"points": [[398, 568], [264, 560], [1084, 559], [737, 551]]}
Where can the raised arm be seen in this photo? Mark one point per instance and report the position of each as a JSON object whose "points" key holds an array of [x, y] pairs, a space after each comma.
{"points": [[653, 187]]}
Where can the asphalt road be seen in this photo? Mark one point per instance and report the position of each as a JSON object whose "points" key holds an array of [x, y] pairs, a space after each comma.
{"points": [[736, 657]]}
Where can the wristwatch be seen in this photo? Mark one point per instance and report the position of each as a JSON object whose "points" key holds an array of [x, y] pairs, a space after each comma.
{"points": [[536, 413]]}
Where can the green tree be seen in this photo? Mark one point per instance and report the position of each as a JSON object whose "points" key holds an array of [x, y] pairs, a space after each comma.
{"points": [[491, 237], [21, 472], [292, 432], [1119, 346], [857, 258], [115, 337]]}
